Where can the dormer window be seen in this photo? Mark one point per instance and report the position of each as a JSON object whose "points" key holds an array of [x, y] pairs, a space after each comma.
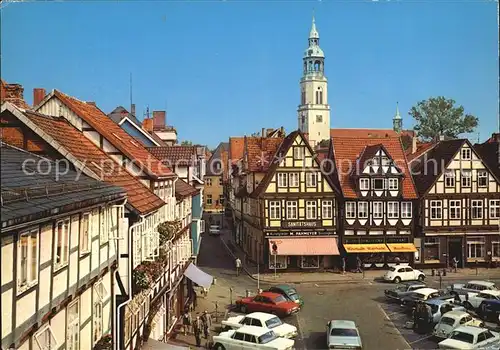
{"points": [[364, 184], [393, 184], [378, 184]]}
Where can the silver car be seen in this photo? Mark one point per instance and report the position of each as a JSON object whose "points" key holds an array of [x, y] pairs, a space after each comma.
{"points": [[342, 334]]}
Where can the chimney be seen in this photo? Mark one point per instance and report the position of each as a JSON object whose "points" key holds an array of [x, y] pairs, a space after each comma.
{"points": [[132, 109], [282, 130], [38, 96], [413, 144], [263, 132], [159, 119], [92, 103], [147, 124]]}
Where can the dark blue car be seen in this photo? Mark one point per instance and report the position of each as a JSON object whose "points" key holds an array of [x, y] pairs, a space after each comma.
{"points": [[489, 310]]}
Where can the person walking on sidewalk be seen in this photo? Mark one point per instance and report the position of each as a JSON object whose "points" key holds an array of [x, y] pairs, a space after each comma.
{"points": [[186, 322], [343, 265], [207, 323], [455, 263], [197, 330], [238, 266], [358, 264]]}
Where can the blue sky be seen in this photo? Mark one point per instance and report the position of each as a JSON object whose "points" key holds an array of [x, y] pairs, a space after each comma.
{"points": [[229, 68]]}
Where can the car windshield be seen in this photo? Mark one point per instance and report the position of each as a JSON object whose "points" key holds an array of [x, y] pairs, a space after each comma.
{"points": [[434, 308], [273, 322], [344, 332], [279, 299], [461, 336], [419, 295], [267, 337], [447, 321], [401, 288]]}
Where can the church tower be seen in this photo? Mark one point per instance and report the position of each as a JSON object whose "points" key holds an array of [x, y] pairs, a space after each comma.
{"points": [[397, 121], [314, 111]]}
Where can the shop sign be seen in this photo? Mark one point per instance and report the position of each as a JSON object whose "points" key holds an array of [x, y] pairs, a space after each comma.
{"points": [[300, 233], [299, 224]]}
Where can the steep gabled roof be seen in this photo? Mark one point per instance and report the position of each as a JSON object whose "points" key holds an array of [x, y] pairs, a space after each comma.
{"points": [[421, 149], [217, 158], [118, 137], [368, 153], [347, 150], [183, 189], [73, 145], [260, 152], [490, 154], [177, 155], [278, 157]]}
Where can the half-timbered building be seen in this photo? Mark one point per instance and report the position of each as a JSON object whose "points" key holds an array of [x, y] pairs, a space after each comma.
{"points": [[59, 253], [460, 205], [293, 209], [379, 199]]}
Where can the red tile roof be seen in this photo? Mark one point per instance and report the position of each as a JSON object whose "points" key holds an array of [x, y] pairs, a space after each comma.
{"points": [[13, 93], [421, 149], [118, 137], [368, 133], [236, 147], [261, 152], [347, 150], [139, 196], [174, 155], [183, 189]]}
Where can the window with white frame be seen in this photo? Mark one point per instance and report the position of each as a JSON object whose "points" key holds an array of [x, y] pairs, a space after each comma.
{"points": [[45, 339], [291, 210], [466, 154], [100, 294], [327, 210], [476, 209], [378, 210], [393, 184], [104, 225], [85, 233], [449, 178], [455, 207], [495, 248], [482, 178], [298, 152], [311, 209], [362, 210], [466, 178], [350, 210], [73, 326], [61, 243], [364, 184], [311, 179], [378, 184], [282, 179], [209, 199], [294, 179], [406, 209], [436, 209], [494, 208], [274, 210], [27, 259], [475, 247], [392, 210]]}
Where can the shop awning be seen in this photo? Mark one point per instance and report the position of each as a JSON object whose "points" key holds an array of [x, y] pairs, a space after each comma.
{"points": [[199, 277], [366, 248], [402, 247], [306, 246]]}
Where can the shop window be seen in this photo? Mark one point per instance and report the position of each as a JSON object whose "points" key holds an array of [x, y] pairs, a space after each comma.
{"points": [[475, 247], [449, 178], [281, 262], [495, 249], [455, 208], [431, 249], [310, 262]]}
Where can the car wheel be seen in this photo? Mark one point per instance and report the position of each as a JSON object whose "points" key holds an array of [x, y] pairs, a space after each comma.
{"points": [[243, 309], [481, 324], [421, 278], [397, 279], [219, 346]]}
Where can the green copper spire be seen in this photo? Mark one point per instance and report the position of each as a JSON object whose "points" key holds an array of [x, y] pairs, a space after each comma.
{"points": [[397, 121], [313, 34]]}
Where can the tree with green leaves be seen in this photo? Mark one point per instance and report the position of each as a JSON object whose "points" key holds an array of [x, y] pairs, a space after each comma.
{"points": [[439, 116], [186, 143]]}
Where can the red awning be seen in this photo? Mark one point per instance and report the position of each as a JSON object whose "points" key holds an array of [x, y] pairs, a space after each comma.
{"points": [[305, 246]]}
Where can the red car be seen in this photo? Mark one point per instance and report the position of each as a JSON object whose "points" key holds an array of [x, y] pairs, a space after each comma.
{"points": [[269, 302]]}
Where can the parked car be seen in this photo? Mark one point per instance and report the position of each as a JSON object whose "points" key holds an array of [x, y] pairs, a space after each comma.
{"points": [[489, 310], [214, 230], [342, 334], [273, 303], [261, 319], [398, 273], [452, 320], [421, 294], [468, 337], [403, 289], [439, 307], [474, 301], [288, 292], [473, 287], [251, 337]]}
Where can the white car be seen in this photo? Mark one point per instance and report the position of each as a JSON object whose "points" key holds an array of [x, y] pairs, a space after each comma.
{"points": [[342, 334], [473, 287], [251, 337], [214, 230], [453, 319], [476, 300], [261, 319], [468, 337], [399, 273]]}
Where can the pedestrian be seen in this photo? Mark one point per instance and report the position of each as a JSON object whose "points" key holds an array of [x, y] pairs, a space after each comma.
{"points": [[194, 298], [186, 321], [238, 266], [358, 264], [429, 318], [455, 263], [197, 331], [206, 322], [397, 260], [343, 265]]}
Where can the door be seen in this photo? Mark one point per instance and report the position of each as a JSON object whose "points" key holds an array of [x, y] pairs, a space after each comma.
{"points": [[455, 250]]}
